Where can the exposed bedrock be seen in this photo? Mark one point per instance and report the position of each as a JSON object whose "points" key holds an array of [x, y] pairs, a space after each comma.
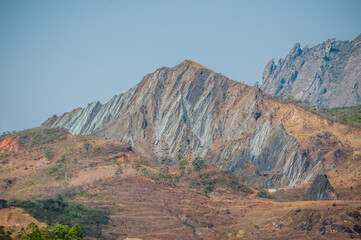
{"points": [[327, 75], [193, 111]]}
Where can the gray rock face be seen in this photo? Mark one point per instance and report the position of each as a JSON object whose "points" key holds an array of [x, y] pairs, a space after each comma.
{"points": [[192, 111], [321, 189], [327, 75]]}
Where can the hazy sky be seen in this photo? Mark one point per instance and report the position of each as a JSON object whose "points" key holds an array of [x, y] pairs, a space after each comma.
{"points": [[59, 55]]}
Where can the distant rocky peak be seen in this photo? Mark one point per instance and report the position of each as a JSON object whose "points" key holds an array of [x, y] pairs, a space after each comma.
{"points": [[269, 69], [357, 40], [324, 75], [296, 50]]}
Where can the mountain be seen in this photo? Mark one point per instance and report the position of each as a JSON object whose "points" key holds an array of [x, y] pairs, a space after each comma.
{"points": [[189, 110], [327, 75], [106, 177]]}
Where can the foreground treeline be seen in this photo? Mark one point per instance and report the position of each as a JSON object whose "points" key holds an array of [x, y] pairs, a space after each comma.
{"points": [[60, 213], [33, 232]]}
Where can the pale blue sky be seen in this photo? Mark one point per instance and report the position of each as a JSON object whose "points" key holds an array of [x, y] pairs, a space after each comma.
{"points": [[59, 55]]}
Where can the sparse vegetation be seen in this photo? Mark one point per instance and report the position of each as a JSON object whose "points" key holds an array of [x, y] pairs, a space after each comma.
{"points": [[142, 162], [209, 180], [3, 155], [119, 168], [164, 174], [87, 146], [7, 134], [346, 115], [41, 136], [56, 210], [350, 115], [49, 154], [61, 169]]}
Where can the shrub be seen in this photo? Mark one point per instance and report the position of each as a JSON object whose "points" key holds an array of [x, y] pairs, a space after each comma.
{"points": [[182, 162], [198, 163], [264, 194], [208, 189]]}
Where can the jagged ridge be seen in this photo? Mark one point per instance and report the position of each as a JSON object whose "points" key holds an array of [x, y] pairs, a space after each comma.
{"points": [[190, 110], [327, 75]]}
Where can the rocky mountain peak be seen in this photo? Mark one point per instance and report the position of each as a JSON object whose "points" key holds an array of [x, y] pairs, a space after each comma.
{"points": [[269, 69], [189, 110], [357, 40], [188, 62], [327, 75], [296, 50]]}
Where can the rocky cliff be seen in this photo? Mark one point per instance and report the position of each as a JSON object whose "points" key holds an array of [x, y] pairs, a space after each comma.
{"points": [[327, 75], [192, 111], [321, 189]]}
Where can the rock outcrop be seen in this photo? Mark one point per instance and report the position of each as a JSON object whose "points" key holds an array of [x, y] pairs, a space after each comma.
{"points": [[321, 189], [191, 111], [327, 75]]}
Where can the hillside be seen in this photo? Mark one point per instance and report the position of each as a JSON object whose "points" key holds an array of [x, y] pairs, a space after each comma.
{"points": [[327, 75], [149, 201]]}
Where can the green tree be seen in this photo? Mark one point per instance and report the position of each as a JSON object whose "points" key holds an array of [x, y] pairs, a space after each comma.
{"points": [[87, 146], [198, 163], [182, 162], [33, 232], [75, 233], [4, 235]]}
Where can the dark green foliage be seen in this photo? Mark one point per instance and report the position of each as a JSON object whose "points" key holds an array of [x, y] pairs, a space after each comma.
{"points": [[33, 232], [67, 213], [41, 136], [198, 163], [5, 235], [208, 189], [264, 194]]}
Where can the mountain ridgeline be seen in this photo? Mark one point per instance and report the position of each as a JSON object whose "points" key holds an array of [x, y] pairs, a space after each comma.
{"points": [[327, 75], [189, 110]]}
